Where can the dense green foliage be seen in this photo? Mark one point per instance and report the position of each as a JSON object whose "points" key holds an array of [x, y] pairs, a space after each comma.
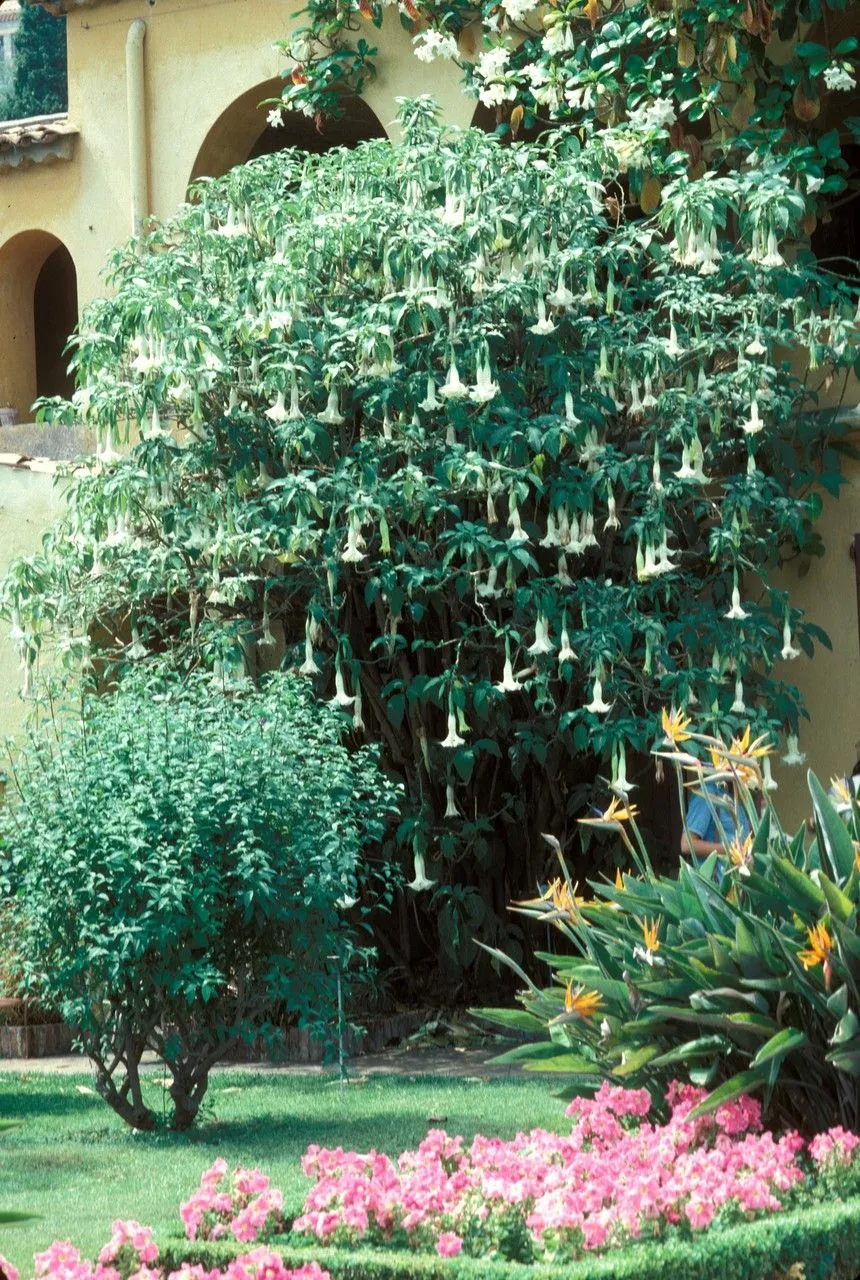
{"points": [[748, 984], [488, 464], [822, 1243], [40, 86], [184, 865]]}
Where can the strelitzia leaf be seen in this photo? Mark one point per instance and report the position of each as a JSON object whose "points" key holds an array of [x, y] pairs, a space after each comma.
{"points": [[703, 1047], [743, 1082], [833, 834], [779, 1046]]}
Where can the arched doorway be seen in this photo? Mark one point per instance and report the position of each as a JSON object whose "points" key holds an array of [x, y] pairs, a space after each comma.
{"points": [[242, 131], [38, 311]]}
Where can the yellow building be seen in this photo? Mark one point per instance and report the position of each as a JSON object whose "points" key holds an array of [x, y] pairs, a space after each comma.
{"points": [[164, 91]]}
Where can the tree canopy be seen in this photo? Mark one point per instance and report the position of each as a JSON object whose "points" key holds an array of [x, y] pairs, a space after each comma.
{"points": [[496, 467]]}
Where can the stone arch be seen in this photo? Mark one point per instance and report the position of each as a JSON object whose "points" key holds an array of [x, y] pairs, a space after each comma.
{"points": [[38, 311], [242, 132]]}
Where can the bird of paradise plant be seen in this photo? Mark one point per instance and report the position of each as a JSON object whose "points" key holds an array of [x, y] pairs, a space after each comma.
{"points": [[749, 984]]}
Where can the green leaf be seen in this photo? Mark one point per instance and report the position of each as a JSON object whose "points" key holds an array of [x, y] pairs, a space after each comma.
{"points": [[743, 1082], [832, 831], [511, 1019], [780, 1045], [703, 1047]]}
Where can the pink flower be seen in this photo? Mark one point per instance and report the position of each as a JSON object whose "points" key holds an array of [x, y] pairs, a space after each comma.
{"points": [[7, 1271], [448, 1245]]}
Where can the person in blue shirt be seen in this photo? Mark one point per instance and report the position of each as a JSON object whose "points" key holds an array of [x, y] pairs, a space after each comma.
{"points": [[714, 820]]}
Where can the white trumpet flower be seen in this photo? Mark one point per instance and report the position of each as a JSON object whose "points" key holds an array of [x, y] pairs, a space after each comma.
{"points": [[278, 411], [793, 755], [451, 810], [739, 707], [753, 424], [770, 782], [453, 738], [430, 402], [508, 683], [611, 521], [542, 642], [453, 388], [488, 589], [550, 539], [736, 613], [561, 296], [485, 388], [566, 653], [598, 706], [518, 532], [341, 697], [420, 881], [542, 325], [331, 415], [569, 413], [788, 652]]}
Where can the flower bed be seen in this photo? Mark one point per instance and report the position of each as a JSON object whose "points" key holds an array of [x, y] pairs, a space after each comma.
{"points": [[132, 1254], [619, 1178], [616, 1178]]}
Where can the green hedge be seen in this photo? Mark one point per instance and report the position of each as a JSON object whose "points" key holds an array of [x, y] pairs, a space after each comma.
{"points": [[825, 1239]]}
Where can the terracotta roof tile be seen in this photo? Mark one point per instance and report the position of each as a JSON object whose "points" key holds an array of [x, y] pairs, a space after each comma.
{"points": [[36, 141]]}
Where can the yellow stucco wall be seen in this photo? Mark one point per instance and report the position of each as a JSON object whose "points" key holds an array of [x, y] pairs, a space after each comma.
{"points": [[201, 57]]}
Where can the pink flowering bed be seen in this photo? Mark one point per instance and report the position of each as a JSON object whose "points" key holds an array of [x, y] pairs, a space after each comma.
{"points": [[616, 1178], [132, 1254]]}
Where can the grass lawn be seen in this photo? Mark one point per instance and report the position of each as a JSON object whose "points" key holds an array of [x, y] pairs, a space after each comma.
{"points": [[75, 1164]]}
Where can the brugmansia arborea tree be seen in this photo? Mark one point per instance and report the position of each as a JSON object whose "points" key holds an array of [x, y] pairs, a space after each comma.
{"points": [[499, 466]]}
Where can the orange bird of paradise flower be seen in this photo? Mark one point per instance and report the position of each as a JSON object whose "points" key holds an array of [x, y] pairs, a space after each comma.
{"points": [[585, 1004], [819, 952], [675, 725], [650, 932]]}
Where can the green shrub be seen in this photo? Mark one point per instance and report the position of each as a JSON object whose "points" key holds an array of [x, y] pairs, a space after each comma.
{"points": [[183, 865], [749, 984], [819, 1243]]}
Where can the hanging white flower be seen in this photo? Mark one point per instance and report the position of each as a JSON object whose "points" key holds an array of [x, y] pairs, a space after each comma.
{"points": [[331, 415], [739, 707], [488, 589], [518, 533], [295, 412], [542, 642], [564, 578], [611, 521], [569, 414], [566, 652], [485, 388], [788, 652], [420, 881], [451, 810], [429, 403], [770, 782], [352, 553], [773, 257], [685, 471], [453, 738], [561, 297], [542, 325], [550, 538], [656, 478], [673, 347], [793, 755], [619, 784], [508, 683], [598, 706], [736, 612], [309, 666], [341, 697], [453, 388], [753, 424]]}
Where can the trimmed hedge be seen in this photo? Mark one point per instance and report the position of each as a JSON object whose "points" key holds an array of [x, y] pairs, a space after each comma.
{"points": [[824, 1239]]}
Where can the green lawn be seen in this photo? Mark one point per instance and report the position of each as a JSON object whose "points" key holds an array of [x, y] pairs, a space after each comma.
{"points": [[74, 1163]]}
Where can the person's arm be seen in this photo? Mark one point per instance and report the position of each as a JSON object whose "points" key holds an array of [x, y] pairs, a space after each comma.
{"points": [[695, 844]]}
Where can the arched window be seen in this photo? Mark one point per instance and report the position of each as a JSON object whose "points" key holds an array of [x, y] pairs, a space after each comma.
{"points": [[38, 311]]}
